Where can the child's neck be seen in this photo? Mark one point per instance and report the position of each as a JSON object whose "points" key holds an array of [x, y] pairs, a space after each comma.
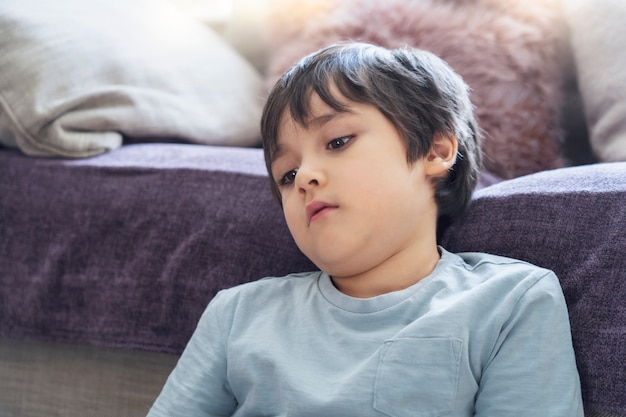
{"points": [[397, 273]]}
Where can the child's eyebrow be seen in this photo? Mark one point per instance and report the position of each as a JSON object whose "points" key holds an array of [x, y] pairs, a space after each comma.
{"points": [[322, 119]]}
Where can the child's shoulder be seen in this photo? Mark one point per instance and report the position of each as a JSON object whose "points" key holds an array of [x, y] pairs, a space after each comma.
{"points": [[268, 298], [478, 260], [484, 269], [273, 286]]}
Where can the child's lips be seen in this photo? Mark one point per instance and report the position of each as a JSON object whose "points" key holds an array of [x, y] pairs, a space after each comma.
{"points": [[316, 209]]}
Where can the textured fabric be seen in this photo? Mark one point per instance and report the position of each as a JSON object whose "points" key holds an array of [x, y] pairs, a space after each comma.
{"points": [[480, 336], [597, 37], [509, 52], [125, 249], [60, 380], [77, 76], [594, 414], [571, 221]]}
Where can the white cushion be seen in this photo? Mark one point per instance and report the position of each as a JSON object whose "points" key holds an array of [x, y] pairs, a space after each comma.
{"points": [[76, 77], [598, 39]]}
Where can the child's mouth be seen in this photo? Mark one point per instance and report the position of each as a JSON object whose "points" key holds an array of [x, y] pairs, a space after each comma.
{"points": [[317, 209]]}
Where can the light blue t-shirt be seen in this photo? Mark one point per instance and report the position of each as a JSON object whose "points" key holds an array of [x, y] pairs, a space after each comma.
{"points": [[481, 336]]}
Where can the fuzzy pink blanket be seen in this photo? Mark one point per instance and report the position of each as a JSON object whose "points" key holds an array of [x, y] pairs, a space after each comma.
{"points": [[509, 52]]}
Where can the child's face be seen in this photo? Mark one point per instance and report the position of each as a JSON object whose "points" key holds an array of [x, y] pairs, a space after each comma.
{"points": [[351, 200]]}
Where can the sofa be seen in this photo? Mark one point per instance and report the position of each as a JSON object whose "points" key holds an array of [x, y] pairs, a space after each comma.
{"points": [[133, 187]]}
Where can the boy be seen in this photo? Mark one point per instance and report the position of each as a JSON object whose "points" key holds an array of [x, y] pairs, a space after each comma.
{"points": [[369, 150]]}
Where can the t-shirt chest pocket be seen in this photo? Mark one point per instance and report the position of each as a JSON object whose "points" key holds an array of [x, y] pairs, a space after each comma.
{"points": [[418, 377]]}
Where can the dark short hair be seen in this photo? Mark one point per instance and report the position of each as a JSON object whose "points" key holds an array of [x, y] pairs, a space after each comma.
{"points": [[416, 90]]}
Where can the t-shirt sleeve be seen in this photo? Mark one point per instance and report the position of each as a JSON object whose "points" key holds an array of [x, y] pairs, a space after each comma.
{"points": [[532, 368], [198, 384]]}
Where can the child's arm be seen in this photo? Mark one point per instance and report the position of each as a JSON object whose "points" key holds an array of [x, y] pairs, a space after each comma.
{"points": [[197, 386], [532, 370]]}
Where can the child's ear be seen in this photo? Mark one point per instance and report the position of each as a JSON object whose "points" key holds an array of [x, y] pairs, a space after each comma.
{"points": [[442, 155]]}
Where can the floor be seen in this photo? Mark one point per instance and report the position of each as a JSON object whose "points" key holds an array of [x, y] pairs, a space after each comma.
{"points": [[48, 379]]}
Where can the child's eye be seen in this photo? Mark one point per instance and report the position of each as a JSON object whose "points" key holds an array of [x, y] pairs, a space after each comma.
{"points": [[288, 178], [338, 143]]}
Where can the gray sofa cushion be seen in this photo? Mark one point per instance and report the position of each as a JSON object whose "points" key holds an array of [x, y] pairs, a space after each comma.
{"points": [[126, 249], [572, 221]]}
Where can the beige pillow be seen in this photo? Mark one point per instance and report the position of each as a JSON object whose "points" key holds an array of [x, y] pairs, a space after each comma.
{"points": [[598, 40], [76, 77]]}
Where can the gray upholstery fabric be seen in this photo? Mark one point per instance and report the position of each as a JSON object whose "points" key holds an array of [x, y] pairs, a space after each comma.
{"points": [[571, 221], [601, 414], [126, 249]]}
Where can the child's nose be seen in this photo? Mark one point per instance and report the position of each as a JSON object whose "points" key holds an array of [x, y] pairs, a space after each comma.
{"points": [[308, 178]]}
